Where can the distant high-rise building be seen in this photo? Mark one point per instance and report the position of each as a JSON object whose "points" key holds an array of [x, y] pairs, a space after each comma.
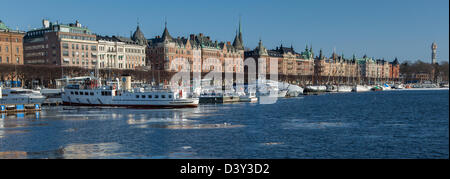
{"points": [[433, 53]]}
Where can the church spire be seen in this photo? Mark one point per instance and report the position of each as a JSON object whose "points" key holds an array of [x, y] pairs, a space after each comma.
{"points": [[240, 32]]}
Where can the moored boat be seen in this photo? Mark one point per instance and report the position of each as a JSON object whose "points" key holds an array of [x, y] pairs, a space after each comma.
{"points": [[361, 88], [314, 89], [91, 94], [20, 96], [249, 97], [344, 89]]}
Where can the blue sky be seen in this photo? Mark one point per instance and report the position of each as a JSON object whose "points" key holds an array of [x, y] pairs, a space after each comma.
{"points": [[381, 29]]}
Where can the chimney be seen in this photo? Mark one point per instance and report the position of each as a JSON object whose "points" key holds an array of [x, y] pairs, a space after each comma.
{"points": [[45, 23]]}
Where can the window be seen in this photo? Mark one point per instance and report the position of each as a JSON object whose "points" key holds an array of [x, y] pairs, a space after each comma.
{"points": [[65, 53], [76, 92], [170, 96], [149, 96], [143, 96], [65, 45], [71, 92], [156, 96], [137, 96], [86, 93], [163, 96]]}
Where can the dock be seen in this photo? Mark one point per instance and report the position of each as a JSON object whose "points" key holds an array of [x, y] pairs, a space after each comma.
{"points": [[218, 99], [19, 108]]}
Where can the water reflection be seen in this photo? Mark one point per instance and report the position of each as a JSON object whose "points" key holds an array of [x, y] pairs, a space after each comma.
{"points": [[98, 150]]}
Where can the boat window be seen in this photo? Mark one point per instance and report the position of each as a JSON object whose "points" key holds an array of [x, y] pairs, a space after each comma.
{"points": [[163, 96], [92, 93], [108, 93], [71, 92], [143, 96], [156, 96], [76, 92], [103, 93], [86, 93], [149, 96], [170, 96], [137, 96]]}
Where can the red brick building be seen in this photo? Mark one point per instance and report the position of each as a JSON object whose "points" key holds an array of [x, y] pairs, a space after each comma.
{"points": [[11, 45]]}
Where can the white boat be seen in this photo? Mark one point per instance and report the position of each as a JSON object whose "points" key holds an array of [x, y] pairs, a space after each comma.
{"points": [[294, 91], [361, 88], [399, 86], [11, 96], [282, 93], [250, 97], [53, 96], [332, 88], [386, 87], [344, 89], [91, 94], [315, 89]]}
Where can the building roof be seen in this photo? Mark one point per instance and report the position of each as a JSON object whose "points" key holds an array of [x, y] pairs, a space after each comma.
{"points": [[139, 37], [3, 26]]}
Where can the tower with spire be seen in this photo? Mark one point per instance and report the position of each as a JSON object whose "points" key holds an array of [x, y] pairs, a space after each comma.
{"points": [[238, 43], [138, 36]]}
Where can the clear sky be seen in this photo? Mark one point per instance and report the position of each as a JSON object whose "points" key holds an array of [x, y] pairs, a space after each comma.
{"points": [[380, 29]]}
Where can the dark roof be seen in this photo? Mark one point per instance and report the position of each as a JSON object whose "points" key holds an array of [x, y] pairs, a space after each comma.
{"points": [[138, 36]]}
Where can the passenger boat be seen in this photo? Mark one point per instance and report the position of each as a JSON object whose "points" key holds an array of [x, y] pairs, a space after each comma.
{"points": [[120, 94], [12, 96]]}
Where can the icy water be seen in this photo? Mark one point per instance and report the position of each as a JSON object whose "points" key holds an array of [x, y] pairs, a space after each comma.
{"points": [[388, 124]]}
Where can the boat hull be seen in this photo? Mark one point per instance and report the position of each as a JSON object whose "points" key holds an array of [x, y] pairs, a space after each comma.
{"points": [[133, 106]]}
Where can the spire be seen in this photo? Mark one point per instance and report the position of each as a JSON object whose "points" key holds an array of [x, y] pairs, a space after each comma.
{"points": [[320, 55], [166, 35], [240, 32], [237, 43], [240, 29]]}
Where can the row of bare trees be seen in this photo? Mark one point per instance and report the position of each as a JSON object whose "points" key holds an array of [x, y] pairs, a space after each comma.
{"points": [[436, 71]]}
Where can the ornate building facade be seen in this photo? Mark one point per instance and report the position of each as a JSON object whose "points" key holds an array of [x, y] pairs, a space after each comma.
{"points": [[288, 61], [203, 55], [121, 52]]}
